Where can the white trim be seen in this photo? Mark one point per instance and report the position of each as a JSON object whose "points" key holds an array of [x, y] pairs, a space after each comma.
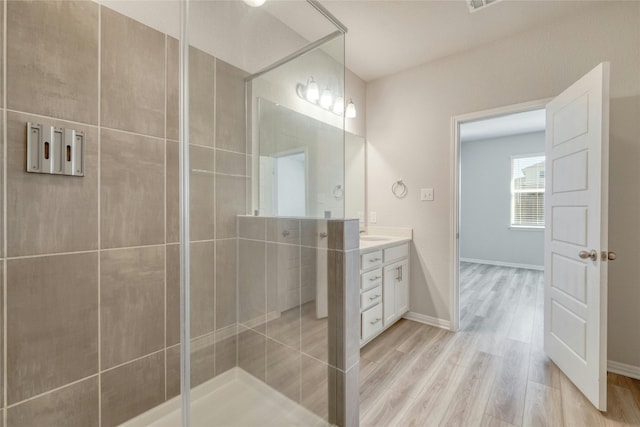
{"points": [[623, 369], [454, 208], [504, 264], [428, 320]]}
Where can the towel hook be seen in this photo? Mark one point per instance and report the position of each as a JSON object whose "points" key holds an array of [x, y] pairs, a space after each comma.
{"points": [[399, 189]]}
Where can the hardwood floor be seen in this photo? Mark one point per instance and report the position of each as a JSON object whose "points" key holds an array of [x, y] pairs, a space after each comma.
{"points": [[493, 372]]}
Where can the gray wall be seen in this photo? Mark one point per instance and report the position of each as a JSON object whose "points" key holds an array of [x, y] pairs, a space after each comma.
{"points": [[409, 136], [485, 208]]}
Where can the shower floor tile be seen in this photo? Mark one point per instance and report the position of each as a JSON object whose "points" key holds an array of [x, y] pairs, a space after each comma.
{"points": [[234, 398]]}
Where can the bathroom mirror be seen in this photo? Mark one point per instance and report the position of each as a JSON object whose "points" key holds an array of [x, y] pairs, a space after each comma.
{"points": [[306, 168]]}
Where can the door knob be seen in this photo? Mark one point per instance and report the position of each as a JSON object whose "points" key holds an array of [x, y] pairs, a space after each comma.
{"points": [[611, 256], [593, 255]]}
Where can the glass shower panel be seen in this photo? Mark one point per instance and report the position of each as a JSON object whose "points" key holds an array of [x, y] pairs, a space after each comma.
{"points": [[298, 110]]}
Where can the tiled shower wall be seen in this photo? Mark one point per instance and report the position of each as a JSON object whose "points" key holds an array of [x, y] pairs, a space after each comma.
{"points": [[90, 265], [299, 302]]}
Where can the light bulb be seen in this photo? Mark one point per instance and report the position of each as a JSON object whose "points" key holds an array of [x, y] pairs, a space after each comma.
{"points": [[326, 99], [351, 110], [338, 106], [313, 93], [255, 3]]}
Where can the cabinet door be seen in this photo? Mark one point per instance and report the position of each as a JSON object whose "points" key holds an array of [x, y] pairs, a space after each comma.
{"points": [[402, 288], [389, 293]]}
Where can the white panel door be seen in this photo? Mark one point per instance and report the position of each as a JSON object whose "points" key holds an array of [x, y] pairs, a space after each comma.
{"points": [[576, 198]]}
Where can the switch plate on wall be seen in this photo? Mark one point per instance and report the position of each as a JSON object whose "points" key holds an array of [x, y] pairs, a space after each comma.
{"points": [[426, 194], [373, 217]]}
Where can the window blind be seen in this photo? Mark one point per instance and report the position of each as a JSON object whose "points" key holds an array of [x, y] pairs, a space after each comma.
{"points": [[527, 191]]}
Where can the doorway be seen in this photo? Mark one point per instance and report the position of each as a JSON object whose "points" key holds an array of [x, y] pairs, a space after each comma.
{"points": [[501, 244]]}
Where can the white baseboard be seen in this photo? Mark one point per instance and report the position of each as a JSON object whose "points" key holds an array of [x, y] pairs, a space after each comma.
{"points": [[624, 369], [503, 264], [428, 320]]}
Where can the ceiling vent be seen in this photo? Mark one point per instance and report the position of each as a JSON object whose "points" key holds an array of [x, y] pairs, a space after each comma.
{"points": [[480, 4]]}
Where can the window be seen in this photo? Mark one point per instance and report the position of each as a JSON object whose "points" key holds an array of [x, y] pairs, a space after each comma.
{"points": [[527, 191]]}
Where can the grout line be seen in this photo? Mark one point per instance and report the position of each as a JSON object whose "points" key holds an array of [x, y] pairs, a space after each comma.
{"points": [[166, 84], [99, 172], [132, 133], [215, 206], [72, 122], [137, 359], [90, 251], [13, 405], [4, 350]]}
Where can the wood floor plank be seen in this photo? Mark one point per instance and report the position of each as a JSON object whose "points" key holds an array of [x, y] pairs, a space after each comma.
{"points": [[418, 375], [542, 370], [489, 421], [507, 399], [543, 406], [621, 407], [467, 406], [576, 409]]}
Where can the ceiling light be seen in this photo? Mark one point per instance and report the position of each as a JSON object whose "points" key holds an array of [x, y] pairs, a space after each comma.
{"points": [[313, 92], [326, 100], [338, 106], [254, 3], [351, 110]]}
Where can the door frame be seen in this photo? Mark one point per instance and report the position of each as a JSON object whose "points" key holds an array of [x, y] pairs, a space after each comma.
{"points": [[454, 228]]}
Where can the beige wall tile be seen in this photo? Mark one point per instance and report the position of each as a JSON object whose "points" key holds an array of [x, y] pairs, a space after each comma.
{"points": [[253, 227], [252, 352], [230, 108], [132, 190], [52, 322], [132, 389], [283, 293], [202, 199], [314, 336], [252, 283], [230, 202], [226, 276], [173, 84], [226, 351], [283, 230], [131, 303], [173, 294], [73, 406], [2, 2], [283, 369], [132, 75], [347, 397], [47, 213], [231, 163], [172, 177], [314, 388], [202, 195], [202, 288], [313, 232], [202, 360], [202, 97], [52, 70], [173, 371]]}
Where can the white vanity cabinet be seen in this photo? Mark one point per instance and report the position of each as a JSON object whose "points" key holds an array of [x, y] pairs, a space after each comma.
{"points": [[384, 288]]}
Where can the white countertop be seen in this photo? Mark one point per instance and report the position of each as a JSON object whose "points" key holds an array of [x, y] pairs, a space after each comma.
{"points": [[380, 242]]}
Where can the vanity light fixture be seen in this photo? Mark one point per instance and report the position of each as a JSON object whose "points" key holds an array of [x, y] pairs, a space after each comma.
{"points": [[327, 100], [254, 3], [313, 92], [338, 106], [350, 113]]}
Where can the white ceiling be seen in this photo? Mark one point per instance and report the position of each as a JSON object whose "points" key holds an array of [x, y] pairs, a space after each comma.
{"points": [[496, 127], [386, 37]]}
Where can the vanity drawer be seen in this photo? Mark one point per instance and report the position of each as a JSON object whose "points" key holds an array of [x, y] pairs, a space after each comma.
{"points": [[370, 298], [371, 259], [371, 321], [396, 252], [371, 278]]}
